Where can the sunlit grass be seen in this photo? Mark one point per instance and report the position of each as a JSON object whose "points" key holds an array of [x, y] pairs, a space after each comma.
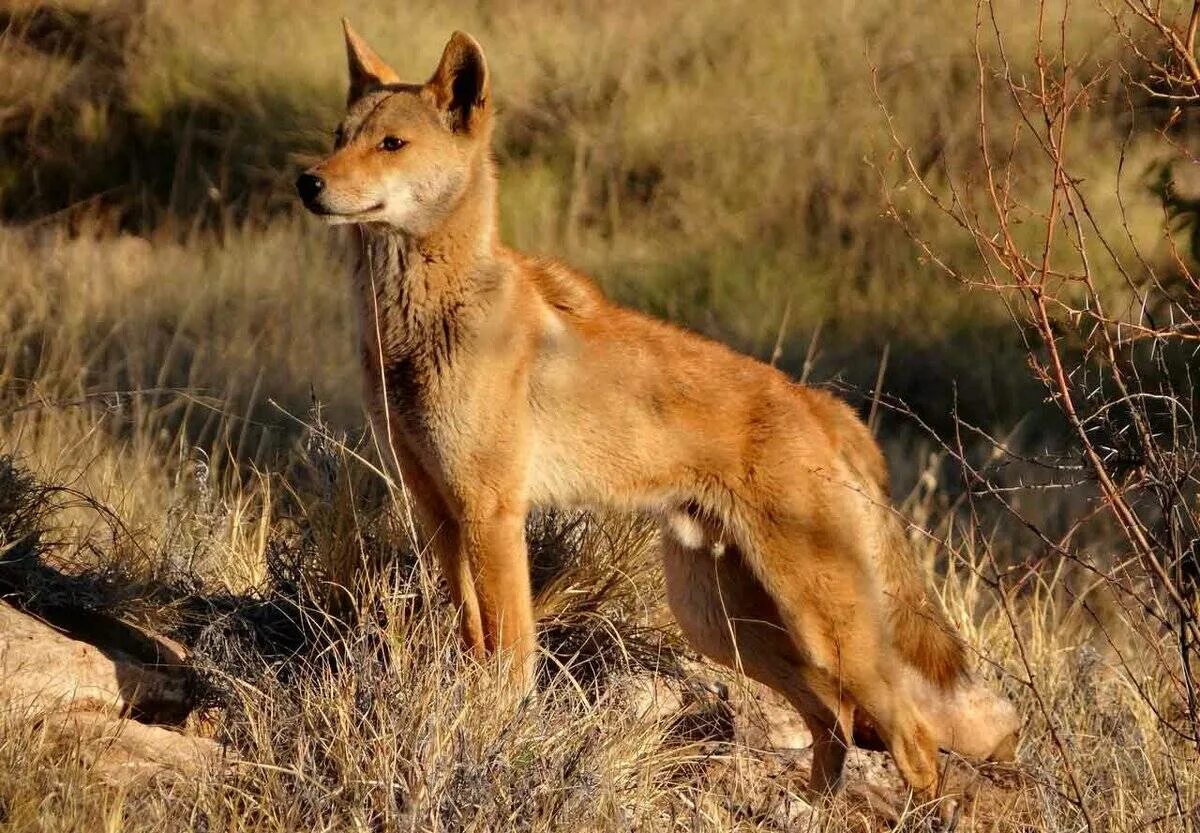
{"points": [[170, 323]]}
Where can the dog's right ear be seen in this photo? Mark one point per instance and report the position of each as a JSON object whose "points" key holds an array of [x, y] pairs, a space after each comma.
{"points": [[367, 69]]}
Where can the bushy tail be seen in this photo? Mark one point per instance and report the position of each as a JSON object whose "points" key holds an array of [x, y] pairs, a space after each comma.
{"points": [[919, 629]]}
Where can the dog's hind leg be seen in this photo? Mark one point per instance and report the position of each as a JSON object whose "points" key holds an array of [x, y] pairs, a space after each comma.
{"points": [[826, 595], [728, 616]]}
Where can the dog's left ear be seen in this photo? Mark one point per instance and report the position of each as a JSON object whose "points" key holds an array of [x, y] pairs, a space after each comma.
{"points": [[367, 69], [460, 87]]}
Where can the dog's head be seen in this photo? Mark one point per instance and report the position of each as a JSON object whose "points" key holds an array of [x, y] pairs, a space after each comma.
{"points": [[404, 154]]}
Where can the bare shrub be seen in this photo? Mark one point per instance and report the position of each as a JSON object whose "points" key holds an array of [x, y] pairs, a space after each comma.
{"points": [[1108, 317]]}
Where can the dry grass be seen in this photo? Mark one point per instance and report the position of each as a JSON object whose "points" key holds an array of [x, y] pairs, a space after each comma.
{"points": [[168, 320], [385, 725]]}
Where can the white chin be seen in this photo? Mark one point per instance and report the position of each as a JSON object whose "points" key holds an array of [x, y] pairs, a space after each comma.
{"points": [[373, 216]]}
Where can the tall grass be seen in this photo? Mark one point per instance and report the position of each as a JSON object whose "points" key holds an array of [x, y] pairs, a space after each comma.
{"points": [[178, 357]]}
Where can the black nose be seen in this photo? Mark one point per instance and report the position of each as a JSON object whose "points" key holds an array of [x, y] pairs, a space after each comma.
{"points": [[309, 186]]}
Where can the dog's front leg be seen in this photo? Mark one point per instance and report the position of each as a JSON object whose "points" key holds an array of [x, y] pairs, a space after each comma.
{"points": [[494, 546]]}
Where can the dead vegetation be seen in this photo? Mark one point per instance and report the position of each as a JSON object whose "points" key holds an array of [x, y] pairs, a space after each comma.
{"points": [[169, 323]]}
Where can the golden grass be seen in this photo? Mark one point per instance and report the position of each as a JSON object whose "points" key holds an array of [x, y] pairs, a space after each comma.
{"points": [[387, 726], [715, 165]]}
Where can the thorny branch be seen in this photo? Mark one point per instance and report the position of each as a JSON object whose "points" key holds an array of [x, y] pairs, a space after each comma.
{"points": [[1109, 329]]}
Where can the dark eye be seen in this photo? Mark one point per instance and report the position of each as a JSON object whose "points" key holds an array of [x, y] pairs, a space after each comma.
{"points": [[391, 143]]}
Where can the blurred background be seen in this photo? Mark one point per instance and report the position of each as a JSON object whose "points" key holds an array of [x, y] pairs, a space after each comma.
{"points": [[727, 169]]}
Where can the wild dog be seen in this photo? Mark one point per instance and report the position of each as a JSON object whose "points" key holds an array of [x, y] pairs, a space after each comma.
{"points": [[501, 382]]}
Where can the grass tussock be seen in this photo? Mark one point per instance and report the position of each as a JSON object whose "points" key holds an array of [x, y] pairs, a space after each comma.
{"points": [[181, 442]]}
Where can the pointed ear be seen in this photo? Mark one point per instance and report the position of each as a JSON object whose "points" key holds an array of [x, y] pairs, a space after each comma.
{"points": [[460, 87], [367, 69]]}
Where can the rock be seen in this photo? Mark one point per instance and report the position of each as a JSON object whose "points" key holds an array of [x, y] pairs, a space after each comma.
{"points": [[693, 710], [125, 751], [83, 695], [764, 720], [42, 670], [650, 698]]}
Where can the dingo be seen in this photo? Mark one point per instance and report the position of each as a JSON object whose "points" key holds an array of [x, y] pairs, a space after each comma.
{"points": [[499, 382]]}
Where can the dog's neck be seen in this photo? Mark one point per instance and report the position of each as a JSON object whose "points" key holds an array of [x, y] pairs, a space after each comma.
{"points": [[410, 285]]}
